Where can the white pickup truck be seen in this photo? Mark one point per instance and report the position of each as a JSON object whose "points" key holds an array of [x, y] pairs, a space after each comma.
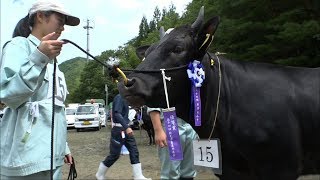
{"points": [[89, 116]]}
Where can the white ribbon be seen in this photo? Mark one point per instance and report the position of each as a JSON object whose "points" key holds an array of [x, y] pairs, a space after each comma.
{"points": [[198, 74], [34, 109], [34, 112]]}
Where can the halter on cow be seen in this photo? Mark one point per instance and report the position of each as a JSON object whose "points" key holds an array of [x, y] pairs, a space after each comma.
{"points": [[269, 116]]}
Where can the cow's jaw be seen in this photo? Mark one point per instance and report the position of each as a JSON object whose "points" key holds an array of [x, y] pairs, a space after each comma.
{"points": [[138, 92], [135, 101]]}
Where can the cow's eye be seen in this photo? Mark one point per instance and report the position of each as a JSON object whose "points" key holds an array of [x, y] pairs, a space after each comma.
{"points": [[177, 50]]}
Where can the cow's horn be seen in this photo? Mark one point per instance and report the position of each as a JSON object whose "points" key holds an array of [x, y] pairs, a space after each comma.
{"points": [[197, 24], [162, 32]]}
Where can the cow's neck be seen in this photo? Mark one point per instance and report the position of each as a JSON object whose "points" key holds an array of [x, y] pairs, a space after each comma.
{"points": [[209, 94], [209, 97]]}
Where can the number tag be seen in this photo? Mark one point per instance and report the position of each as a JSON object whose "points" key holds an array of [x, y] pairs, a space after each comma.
{"points": [[61, 87], [208, 153]]}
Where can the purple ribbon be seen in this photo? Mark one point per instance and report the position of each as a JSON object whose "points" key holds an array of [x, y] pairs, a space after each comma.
{"points": [[138, 116], [197, 105], [172, 131], [196, 75]]}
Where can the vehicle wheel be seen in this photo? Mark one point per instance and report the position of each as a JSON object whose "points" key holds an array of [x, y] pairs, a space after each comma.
{"points": [[99, 127], [78, 130]]}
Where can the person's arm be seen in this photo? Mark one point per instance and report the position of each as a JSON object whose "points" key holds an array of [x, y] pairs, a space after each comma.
{"points": [[119, 118], [68, 156], [22, 72], [117, 108], [160, 135]]}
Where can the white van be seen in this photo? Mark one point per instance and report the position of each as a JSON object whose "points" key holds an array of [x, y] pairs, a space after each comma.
{"points": [[88, 116]]}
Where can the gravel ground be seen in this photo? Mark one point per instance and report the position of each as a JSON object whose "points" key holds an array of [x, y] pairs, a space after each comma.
{"points": [[89, 147]]}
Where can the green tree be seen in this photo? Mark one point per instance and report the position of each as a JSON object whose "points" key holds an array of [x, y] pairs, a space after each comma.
{"points": [[285, 32], [143, 28], [156, 17], [170, 18], [92, 83], [72, 70]]}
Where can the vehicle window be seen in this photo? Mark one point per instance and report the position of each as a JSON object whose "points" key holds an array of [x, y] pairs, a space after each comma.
{"points": [[86, 110], [70, 111]]}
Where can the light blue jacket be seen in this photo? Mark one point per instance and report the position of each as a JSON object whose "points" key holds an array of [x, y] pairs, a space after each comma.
{"points": [[24, 88]]}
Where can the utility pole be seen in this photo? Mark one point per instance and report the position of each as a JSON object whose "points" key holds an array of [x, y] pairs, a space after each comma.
{"points": [[88, 27], [107, 94]]}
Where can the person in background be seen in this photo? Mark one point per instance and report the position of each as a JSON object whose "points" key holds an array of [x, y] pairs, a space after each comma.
{"points": [[185, 168], [2, 109], [26, 84], [121, 134]]}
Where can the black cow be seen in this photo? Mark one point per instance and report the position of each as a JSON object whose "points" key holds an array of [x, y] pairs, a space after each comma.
{"points": [[147, 125], [269, 115]]}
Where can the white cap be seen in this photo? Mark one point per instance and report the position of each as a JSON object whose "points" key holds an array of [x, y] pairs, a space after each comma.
{"points": [[56, 7]]}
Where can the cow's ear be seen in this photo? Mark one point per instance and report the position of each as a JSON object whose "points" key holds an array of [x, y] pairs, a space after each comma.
{"points": [[206, 34], [140, 51], [198, 22]]}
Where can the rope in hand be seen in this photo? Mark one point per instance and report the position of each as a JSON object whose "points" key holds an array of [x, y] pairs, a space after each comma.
{"points": [[72, 171], [53, 112]]}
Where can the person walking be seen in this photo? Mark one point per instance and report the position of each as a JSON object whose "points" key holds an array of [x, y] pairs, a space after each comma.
{"points": [[121, 134], [26, 88]]}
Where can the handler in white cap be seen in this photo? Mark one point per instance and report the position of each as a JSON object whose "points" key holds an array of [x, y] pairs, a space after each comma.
{"points": [[26, 85]]}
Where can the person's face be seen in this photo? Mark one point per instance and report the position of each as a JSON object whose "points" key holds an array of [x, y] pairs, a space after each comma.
{"points": [[52, 22]]}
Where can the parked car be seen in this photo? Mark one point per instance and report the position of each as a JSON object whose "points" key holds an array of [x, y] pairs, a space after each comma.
{"points": [[89, 116], [70, 116]]}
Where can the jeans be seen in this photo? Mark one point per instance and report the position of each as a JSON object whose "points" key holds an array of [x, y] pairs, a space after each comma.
{"points": [[116, 142]]}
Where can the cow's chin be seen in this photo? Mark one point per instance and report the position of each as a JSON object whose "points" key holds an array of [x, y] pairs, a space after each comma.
{"points": [[135, 101]]}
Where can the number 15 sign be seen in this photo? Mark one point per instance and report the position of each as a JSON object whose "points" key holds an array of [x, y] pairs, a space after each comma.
{"points": [[208, 153]]}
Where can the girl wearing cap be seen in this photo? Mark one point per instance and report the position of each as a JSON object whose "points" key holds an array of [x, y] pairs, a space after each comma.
{"points": [[26, 88]]}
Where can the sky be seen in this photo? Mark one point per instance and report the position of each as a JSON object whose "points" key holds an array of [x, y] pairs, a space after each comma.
{"points": [[114, 22]]}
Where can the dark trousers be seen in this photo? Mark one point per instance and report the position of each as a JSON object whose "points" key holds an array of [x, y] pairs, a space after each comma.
{"points": [[116, 142]]}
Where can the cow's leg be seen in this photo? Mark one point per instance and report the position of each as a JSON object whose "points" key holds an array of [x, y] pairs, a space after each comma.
{"points": [[278, 171], [281, 159], [150, 139], [231, 174], [236, 167], [152, 135]]}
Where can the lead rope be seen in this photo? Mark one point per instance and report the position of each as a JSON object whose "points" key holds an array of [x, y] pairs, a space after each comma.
{"points": [[218, 99], [52, 120], [72, 172], [164, 78]]}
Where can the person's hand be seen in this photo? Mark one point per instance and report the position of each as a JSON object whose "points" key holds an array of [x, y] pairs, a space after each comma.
{"points": [[160, 138], [129, 131], [68, 159], [50, 46]]}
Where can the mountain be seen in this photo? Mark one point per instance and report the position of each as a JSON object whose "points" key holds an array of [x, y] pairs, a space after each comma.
{"points": [[72, 70]]}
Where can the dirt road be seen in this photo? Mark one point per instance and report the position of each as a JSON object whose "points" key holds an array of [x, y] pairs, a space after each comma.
{"points": [[90, 147]]}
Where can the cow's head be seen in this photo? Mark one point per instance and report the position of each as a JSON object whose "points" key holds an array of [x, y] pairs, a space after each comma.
{"points": [[181, 46]]}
